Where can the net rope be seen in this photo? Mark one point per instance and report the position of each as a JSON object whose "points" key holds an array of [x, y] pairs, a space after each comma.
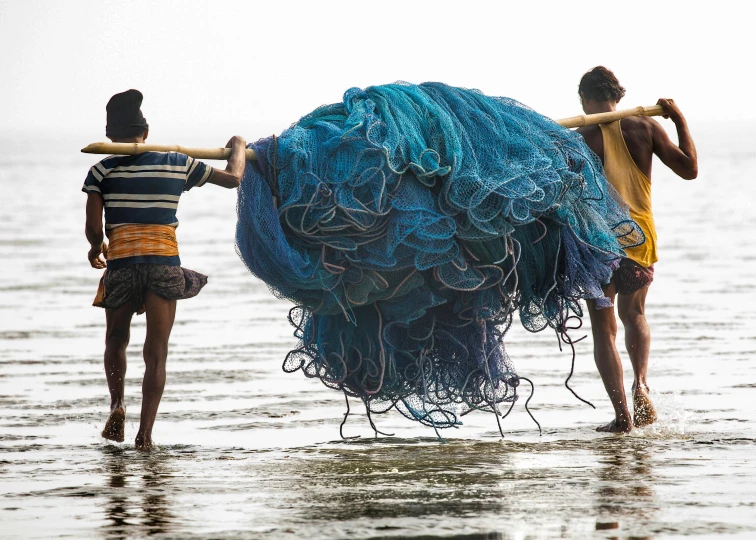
{"points": [[408, 224]]}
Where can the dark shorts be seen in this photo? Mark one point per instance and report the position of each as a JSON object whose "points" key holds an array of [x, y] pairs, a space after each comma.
{"points": [[631, 277], [131, 284]]}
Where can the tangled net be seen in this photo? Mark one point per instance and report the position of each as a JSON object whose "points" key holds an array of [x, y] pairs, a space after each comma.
{"points": [[408, 223]]}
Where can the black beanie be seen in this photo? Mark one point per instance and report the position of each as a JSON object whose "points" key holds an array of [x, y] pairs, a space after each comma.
{"points": [[124, 117]]}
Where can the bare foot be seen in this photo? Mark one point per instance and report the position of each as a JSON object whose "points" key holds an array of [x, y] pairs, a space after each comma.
{"points": [[113, 430], [616, 426], [644, 413], [143, 443]]}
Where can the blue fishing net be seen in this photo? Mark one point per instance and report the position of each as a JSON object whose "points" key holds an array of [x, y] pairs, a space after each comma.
{"points": [[409, 223]]}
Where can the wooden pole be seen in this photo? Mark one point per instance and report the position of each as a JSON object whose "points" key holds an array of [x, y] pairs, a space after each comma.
{"points": [[605, 118], [130, 149]]}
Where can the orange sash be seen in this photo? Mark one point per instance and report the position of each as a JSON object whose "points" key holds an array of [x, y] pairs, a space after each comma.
{"points": [[136, 240]]}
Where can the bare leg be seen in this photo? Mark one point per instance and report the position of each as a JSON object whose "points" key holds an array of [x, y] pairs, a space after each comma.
{"points": [[160, 316], [604, 327], [116, 341], [632, 312]]}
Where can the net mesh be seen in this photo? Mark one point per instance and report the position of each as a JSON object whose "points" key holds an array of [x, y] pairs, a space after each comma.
{"points": [[408, 223]]}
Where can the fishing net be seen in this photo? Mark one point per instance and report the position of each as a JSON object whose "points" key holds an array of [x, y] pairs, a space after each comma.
{"points": [[409, 223]]}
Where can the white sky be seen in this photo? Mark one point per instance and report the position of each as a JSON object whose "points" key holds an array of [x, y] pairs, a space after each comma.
{"points": [[209, 70]]}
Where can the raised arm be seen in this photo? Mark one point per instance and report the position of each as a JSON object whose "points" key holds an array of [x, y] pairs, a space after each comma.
{"points": [[231, 177], [93, 231], [681, 158]]}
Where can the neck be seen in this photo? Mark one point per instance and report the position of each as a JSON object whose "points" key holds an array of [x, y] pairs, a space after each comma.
{"points": [[594, 107], [139, 140]]}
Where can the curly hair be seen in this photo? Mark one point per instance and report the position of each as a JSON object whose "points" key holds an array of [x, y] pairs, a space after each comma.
{"points": [[600, 84]]}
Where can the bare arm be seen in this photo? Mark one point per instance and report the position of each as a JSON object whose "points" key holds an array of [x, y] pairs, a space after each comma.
{"points": [[231, 177], [93, 231], [682, 159]]}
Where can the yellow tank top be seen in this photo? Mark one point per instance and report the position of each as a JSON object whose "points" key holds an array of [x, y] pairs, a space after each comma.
{"points": [[634, 187]]}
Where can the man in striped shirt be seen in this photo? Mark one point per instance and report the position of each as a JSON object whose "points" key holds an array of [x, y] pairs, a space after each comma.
{"points": [[139, 196]]}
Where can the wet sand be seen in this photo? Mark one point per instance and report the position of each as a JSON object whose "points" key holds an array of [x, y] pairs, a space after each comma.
{"points": [[247, 451]]}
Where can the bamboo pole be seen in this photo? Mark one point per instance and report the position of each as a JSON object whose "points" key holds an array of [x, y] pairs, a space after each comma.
{"points": [[130, 149], [605, 118]]}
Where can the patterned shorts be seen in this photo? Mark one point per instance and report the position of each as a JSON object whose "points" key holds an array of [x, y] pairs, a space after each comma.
{"points": [[131, 284], [631, 277]]}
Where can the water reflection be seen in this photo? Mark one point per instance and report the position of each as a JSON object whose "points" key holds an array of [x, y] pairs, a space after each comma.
{"points": [[401, 479], [137, 502], [117, 502], [473, 536], [625, 493], [512, 487], [506, 487]]}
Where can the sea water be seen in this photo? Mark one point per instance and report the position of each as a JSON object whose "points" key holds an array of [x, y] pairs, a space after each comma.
{"points": [[245, 450]]}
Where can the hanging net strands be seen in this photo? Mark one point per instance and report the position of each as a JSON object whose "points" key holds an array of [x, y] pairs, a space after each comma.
{"points": [[130, 149], [408, 223]]}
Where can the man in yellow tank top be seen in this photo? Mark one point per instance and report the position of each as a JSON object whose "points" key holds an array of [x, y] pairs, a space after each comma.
{"points": [[626, 149]]}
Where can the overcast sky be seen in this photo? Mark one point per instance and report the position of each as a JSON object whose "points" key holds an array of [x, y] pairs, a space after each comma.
{"points": [[212, 69]]}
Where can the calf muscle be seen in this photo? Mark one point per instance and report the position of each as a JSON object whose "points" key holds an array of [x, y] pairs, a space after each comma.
{"points": [[160, 316]]}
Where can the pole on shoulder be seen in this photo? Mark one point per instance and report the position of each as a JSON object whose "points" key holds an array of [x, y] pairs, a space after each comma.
{"points": [[605, 118], [131, 149]]}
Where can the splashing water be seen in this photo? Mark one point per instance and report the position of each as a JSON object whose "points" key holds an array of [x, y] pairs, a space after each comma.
{"points": [[674, 422]]}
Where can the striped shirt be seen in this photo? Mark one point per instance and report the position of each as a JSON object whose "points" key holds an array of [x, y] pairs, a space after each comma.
{"points": [[145, 189]]}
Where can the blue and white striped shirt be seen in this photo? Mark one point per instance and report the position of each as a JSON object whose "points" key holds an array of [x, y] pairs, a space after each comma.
{"points": [[144, 188]]}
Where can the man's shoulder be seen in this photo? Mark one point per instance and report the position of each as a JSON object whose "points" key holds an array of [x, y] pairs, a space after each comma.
{"points": [[638, 124], [638, 132], [593, 137], [110, 162], [158, 164], [160, 158], [103, 167], [587, 131]]}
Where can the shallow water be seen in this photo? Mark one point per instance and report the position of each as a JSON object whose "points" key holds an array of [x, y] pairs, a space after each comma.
{"points": [[247, 451]]}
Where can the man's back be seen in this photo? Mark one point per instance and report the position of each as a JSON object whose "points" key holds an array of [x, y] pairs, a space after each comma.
{"points": [[638, 132], [144, 188], [645, 137]]}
